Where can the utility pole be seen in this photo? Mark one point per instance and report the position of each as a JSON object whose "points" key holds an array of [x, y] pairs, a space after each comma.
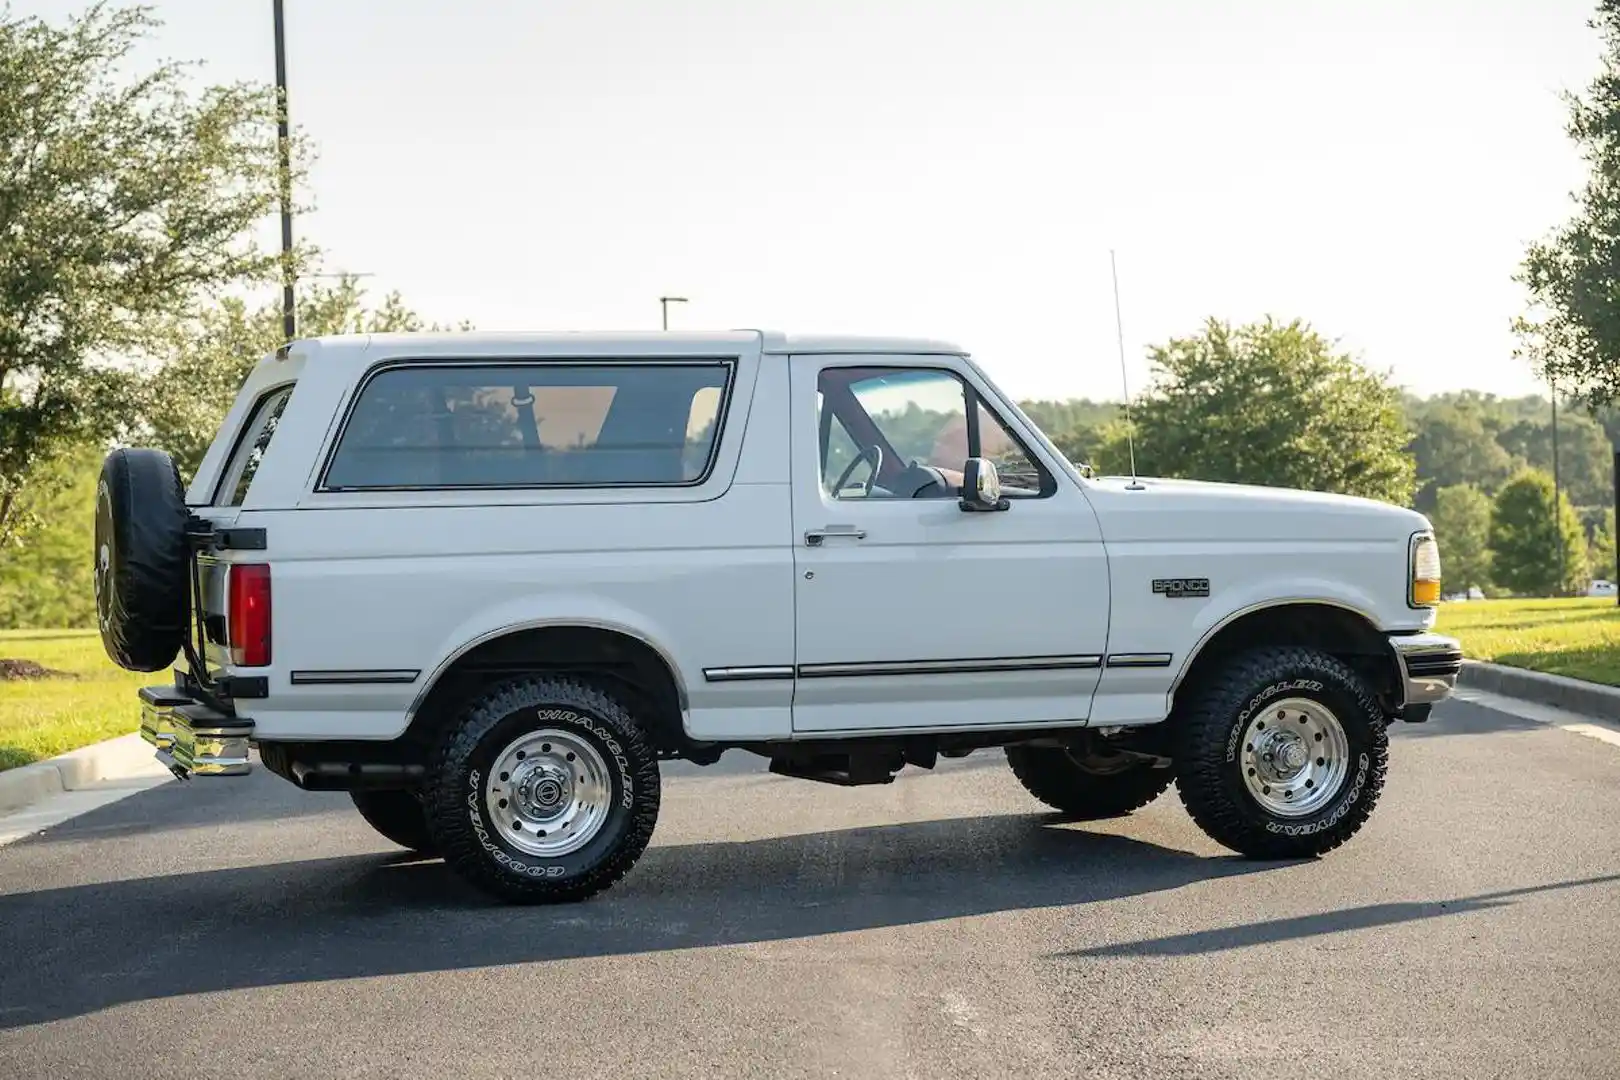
{"points": [[1558, 524], [665, 301], [1616, 568], [289, 315]]}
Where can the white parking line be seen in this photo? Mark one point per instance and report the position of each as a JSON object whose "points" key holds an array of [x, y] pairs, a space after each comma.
{"points": [[1607, 731]]}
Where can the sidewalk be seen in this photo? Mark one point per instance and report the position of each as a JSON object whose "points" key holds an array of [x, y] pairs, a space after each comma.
{"points": [[36, 797], [1558, 691]]}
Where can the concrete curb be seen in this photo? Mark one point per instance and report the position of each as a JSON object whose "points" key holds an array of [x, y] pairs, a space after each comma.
{"points": [[126, 757], [1575, 695]]}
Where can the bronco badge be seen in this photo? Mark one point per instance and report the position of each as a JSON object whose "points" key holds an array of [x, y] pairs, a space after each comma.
{"points": [[1178, 587]]}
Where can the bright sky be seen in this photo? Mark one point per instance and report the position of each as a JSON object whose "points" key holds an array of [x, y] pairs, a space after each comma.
{"points": [[944, 168]]}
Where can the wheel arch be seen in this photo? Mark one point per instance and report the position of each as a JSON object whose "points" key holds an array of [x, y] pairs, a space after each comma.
{"points": [[1334, 626], [603, 647]]}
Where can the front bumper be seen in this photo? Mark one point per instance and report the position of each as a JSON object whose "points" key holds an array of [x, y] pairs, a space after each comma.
{"points": [[1430, 664], [191, 738]]}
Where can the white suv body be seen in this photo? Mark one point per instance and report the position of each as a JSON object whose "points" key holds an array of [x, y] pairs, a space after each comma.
{"points": [[757, 541]]}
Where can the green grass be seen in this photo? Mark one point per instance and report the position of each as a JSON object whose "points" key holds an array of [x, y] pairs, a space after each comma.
{"points": [[1579, 638], [43, 717]]}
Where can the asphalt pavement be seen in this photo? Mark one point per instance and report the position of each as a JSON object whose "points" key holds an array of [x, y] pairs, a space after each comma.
{"points": [[942, 926]]}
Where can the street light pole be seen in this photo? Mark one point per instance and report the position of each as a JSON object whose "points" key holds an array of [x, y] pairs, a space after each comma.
{"points": [[1616, 532], [1558, 524], [289, 317], [665, 301]]}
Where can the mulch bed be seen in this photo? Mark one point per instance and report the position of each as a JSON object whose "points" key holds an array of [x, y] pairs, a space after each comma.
{"points": [[27, 669]]}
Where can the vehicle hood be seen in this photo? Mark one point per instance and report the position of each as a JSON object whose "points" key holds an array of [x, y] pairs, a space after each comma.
{"points": [[1155, 508]]}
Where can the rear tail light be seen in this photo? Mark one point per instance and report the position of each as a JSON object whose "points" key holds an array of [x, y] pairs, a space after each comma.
{"points": [[248, 614]]}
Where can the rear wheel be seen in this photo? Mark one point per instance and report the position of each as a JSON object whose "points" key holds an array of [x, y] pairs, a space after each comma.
{"points": [[1283, 754], [545, 790], [397, 815], [1087, 786]]}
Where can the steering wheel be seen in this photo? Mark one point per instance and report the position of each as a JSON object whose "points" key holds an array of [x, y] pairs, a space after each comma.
{"points": [[875, 454]]}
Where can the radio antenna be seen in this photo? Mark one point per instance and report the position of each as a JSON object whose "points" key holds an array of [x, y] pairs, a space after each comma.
{"points": [[1124, 380]]}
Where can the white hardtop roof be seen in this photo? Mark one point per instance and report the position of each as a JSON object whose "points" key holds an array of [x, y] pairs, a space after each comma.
{"points": [[645, 343]]}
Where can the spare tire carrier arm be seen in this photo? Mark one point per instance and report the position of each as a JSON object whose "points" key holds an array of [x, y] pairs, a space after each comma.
{"points": [[202, 535]]}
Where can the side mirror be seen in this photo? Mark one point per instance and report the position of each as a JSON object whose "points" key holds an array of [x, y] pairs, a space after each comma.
{"points": [[981, 487]]}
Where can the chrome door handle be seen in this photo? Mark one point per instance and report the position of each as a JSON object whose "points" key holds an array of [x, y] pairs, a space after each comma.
{"points": [[814, 537]]}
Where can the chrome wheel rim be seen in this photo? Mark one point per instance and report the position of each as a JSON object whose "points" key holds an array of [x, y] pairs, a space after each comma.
{"points": [[1295, 757], [549, 793]]}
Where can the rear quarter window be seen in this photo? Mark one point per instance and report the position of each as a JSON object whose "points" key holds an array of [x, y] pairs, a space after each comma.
{"points": [[417, 426], [251, 446]]}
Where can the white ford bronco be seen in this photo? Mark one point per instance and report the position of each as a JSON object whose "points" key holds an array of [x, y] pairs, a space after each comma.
{"points": [[486, 583]]}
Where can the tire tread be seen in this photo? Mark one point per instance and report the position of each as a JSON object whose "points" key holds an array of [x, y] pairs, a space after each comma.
{"points": [[397, 816], [447, 811], [1205, 726], [1053, 778]]}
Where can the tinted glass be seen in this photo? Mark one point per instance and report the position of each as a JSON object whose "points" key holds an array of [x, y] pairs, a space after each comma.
{"points": [[532, 425], [922, 415], [261, 428]]}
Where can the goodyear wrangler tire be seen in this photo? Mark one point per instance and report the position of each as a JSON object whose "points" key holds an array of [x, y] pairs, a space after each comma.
{"points": [[142, 561], [398, 816], [1061, 780], [545, 790], [1282, 755]]}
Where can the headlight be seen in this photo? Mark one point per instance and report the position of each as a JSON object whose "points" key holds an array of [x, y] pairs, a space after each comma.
{"points": [[1424, 590]]}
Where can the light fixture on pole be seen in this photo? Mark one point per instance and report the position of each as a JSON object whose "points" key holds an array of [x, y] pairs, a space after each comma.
{"points": [[665, 301]]}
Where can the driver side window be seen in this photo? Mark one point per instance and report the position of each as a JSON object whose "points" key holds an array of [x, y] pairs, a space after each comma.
{"points": [[903, 433]]}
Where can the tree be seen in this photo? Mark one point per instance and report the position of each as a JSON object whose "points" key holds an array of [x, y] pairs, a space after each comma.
{"points": [[1054, 417], [1572, 333], [185, 400], [1462, 524], [1271, 403], [1584, 457], [1526, 538], [1454, 442], [45, 577], [1601, 551], [123, 199]]}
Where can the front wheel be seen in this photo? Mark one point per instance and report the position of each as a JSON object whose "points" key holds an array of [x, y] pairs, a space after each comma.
{"points": [[1084, 786], [398, 816], [1282, 755], [544, 790]]}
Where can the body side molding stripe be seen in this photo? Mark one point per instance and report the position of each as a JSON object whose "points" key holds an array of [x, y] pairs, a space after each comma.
{"points": [[1139, 659], [981, 665], [978, 665], [747, 674], [361, 677]]}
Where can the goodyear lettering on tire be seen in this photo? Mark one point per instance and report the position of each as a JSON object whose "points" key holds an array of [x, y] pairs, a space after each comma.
{"points": [[1363, 765], [475, 787]]}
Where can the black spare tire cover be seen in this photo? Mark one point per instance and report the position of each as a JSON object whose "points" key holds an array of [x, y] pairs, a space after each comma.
{"points": [[143, 563]]}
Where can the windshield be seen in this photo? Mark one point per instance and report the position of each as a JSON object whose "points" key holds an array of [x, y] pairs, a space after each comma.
{"points": [[1078, 470]]}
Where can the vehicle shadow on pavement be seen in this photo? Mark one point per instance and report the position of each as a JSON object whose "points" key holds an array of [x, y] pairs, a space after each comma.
{"points": [[1369, 917], [1466, 718], [80, 949]]}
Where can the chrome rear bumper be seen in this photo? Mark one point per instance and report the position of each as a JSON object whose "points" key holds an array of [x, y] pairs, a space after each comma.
{"points": [[191, 738], [1430, 664]]}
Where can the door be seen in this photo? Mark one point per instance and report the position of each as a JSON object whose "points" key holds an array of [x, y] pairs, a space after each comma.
{"points": [[913, 614]]}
